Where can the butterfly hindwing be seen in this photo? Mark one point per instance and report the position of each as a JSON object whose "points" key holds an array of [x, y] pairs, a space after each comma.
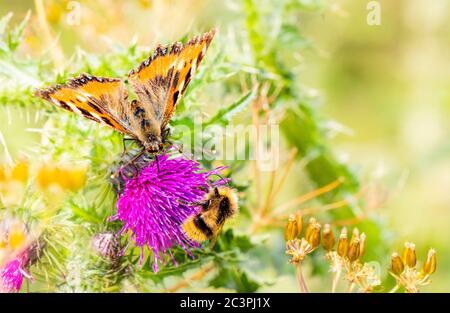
{"points": [[96, 98], [161, 80]]}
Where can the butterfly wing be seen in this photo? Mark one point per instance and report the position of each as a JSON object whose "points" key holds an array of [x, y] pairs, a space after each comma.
{"points": [[161, 80], [99, 99]]}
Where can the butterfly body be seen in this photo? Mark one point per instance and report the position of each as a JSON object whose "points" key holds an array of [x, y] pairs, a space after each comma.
{"points": [[158, 82]]}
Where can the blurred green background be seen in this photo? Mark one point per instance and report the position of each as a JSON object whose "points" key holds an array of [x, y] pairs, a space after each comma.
{"points": [[387, 86]]}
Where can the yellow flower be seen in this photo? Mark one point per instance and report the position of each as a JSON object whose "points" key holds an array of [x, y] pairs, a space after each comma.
{"points": [[16, 236], [20, 172]]}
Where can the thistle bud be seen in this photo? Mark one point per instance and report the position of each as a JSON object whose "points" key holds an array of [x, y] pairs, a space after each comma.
{"points": [[353, 251], [291, 232], [312, 234], [328, 239], [342, 247], [397, 266], [362, 244], [409, 255], [107, 245], [429, 267]]}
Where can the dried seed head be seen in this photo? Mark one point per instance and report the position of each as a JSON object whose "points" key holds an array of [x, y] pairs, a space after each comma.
{"points": [[397, 266], [353, 250], [342, 247], [312, 234], [362, 244], [291, 232], [299, 220], [429, 267], [328, 239], [309, 227], [355, 234], [409, 255]]}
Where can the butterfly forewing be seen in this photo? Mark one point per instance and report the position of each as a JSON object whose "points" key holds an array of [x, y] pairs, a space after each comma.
{"points": [[96, 98], [161, 80]]}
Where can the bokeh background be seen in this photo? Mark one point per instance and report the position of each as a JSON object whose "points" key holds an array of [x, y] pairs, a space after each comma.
{"points": [[387, 86]]}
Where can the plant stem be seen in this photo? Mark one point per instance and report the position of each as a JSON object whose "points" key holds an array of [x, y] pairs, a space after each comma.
{"points": [[195, 277], [310, 195], [350, 287], [394, 289], [337, 275], [301, 279]]}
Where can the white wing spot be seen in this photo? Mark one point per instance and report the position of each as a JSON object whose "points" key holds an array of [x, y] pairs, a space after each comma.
{"points": [[194, 65], [95, 115], [74, 108]]}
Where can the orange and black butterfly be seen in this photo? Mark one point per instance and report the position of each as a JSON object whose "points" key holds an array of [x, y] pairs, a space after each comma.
{"points": [[159, 82]]}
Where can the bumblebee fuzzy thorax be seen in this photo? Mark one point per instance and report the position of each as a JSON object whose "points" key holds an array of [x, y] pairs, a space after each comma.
{"points": [[220, 204]]}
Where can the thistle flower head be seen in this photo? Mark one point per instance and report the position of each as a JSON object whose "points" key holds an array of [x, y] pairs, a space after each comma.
{"points": [[155, 203], [12, 274]]}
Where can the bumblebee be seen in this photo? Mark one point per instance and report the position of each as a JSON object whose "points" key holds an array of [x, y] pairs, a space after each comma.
{"points": [[219, 204]]}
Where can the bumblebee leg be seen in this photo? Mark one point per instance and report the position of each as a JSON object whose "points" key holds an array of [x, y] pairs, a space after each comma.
{"points": [[213, 242]]}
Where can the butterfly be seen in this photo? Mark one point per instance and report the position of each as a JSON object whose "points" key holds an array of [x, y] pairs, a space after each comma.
{"points": [[158, 82]]}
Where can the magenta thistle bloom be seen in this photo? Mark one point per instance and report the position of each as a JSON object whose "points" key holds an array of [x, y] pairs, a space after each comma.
{"points": [[154, 204], [12, 274]]}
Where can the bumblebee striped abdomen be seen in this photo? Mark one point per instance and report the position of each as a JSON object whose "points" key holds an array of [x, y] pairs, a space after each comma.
{"points": [[218, 205]]}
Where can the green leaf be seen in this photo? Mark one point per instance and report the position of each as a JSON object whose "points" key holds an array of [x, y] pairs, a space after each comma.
{"points": [[223, 116], [234, 278]]}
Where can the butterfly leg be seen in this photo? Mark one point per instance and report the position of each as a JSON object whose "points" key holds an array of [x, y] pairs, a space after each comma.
{"points": [[132, 163], [125, 146], [157, 163]]}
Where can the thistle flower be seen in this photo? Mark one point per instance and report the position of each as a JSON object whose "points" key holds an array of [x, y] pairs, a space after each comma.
{"points": [[154, 204], [13, 272], [21, 251]]}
